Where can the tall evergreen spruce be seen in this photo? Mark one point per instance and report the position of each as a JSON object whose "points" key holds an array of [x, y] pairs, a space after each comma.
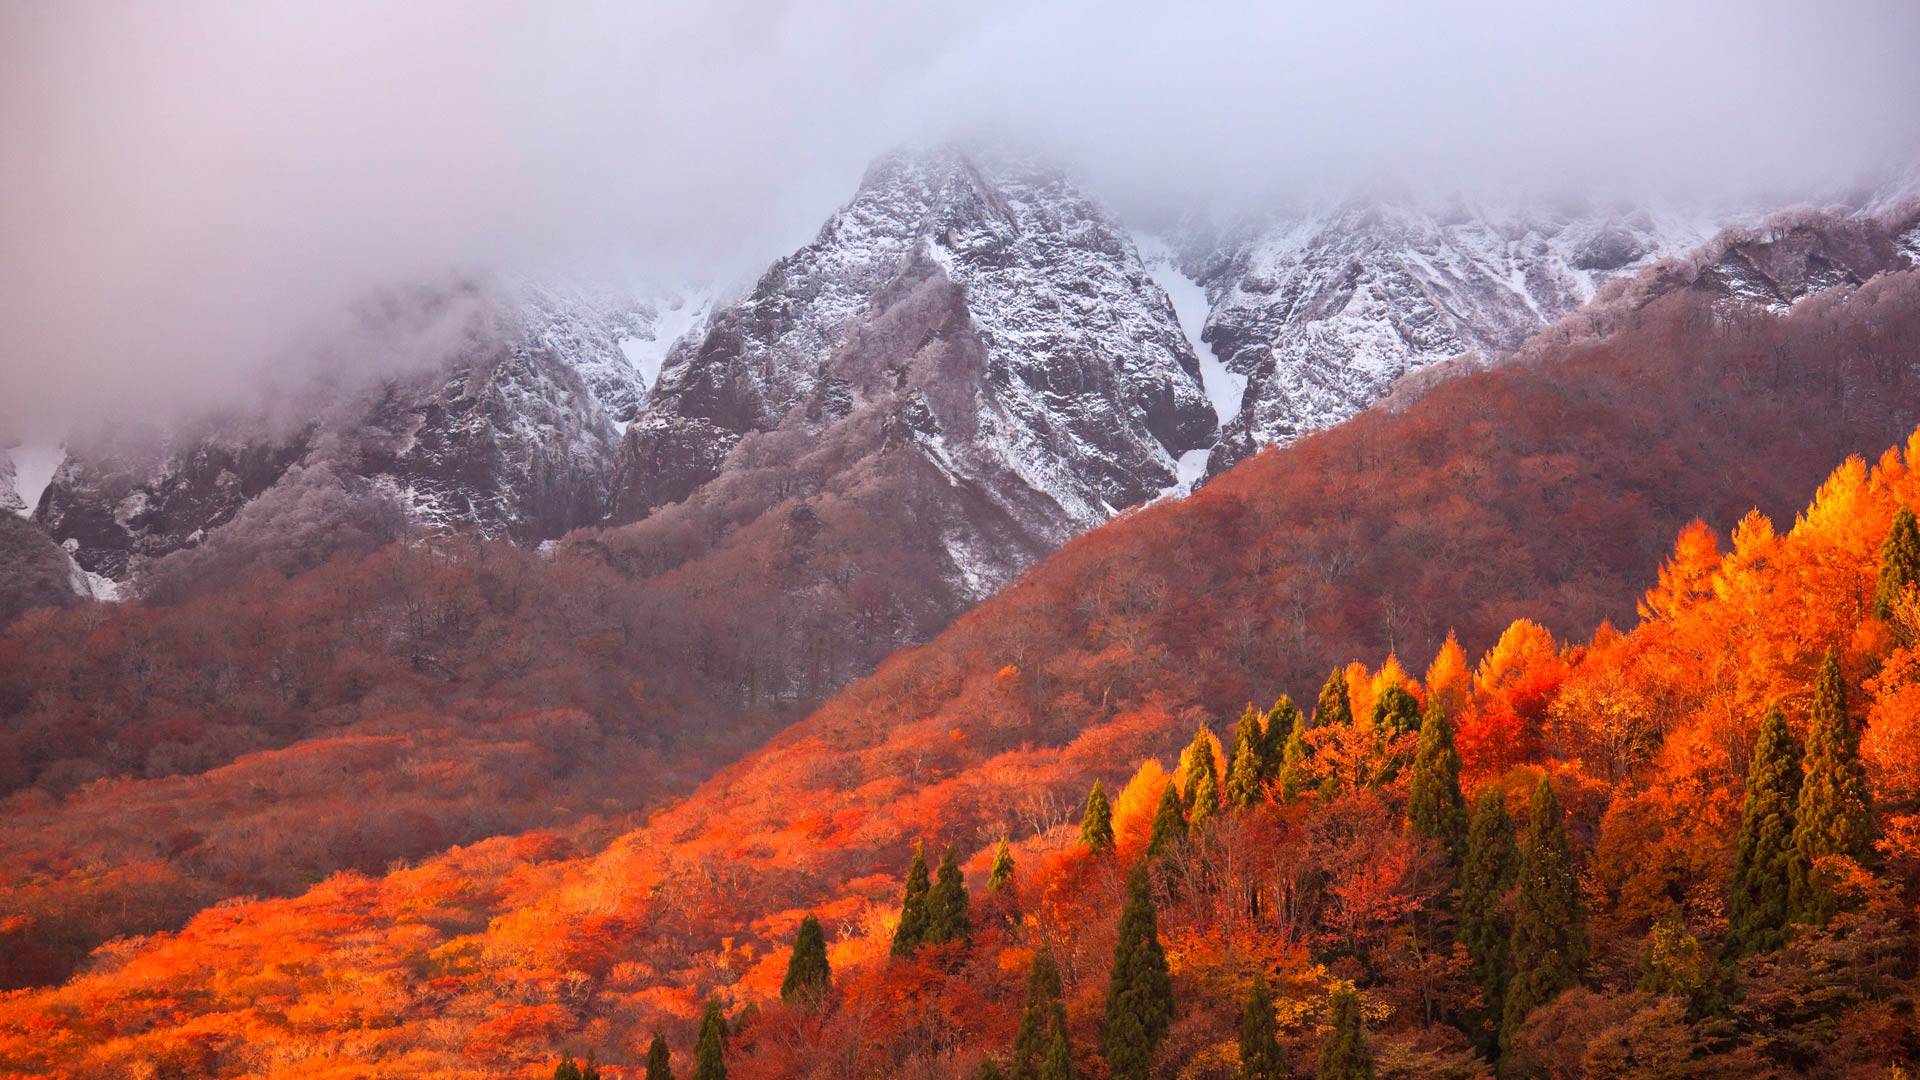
{"points": [[1899, 563], [808, 976], [1345, 1055], [1203, 785], [1834, 813], [1260, 1054], [1764, 857], [1001, 873], [1435, 807], [1274, 735], [1293, 758], [947, 904], [1245, 765], [1549, 936], [1096, 822], [710, 1052], [659, 1062], [1140, 989], [1395, 712], [1044, 1020], [1486, 873], [1334, 706], [568, 1069], [1058, 1063], [1169, 821], [990, 1070], [915, 917]]}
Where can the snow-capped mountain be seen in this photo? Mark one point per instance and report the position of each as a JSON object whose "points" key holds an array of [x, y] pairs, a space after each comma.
{"points": [[979, 314], [1317, 314], [1062, 390], [982, 312], [509, 427]]}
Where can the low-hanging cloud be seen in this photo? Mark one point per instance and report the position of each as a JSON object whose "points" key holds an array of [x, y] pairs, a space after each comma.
{"points": [[189, 186]]}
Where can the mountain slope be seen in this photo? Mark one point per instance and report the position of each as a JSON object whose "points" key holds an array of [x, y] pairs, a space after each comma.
{"points": [[1320, 313], [1064, 390], [1544, 489], [495, 408]]}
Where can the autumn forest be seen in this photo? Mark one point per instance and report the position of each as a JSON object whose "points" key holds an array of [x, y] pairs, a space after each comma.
{"points": [[1562, 722]]}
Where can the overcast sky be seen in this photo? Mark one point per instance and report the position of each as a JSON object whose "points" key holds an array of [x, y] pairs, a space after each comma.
{"points": [[184, 184]]}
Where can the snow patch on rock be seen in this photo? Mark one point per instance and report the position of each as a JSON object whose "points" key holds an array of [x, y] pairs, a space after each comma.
{"points": [[1321, 311]]}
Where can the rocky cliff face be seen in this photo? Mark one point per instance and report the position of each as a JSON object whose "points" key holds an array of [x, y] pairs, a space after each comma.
{"points": [[498, 431], [1795, 255], [978, 313], [1320, 313], [982, 314]]}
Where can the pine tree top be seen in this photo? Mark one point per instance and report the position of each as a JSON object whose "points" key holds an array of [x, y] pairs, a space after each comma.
{"points": [[1436, 808], [710, 1052], [1396, 711], [915, 917], [1334, 706], [1765, 860], [1345, 1055], [1260, 1055], [808, 974], [1834, 814], [1169, 821], [1044, 1018], [947, 903], [1096, 821], [1140, 987], [659, 1061], [1001, 873], [1899, 563]]}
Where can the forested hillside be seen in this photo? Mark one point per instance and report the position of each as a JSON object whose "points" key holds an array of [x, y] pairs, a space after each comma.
{"points": [[1521, 508]]}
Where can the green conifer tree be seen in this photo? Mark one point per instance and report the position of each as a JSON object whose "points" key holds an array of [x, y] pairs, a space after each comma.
{"points": [[1293, 758], [659, 1062], [590, 1069], [1000, 875], [915, 917], [990, 1070], [1045, 1019], [1674, 964], [1834, 813], [1203, 785], [1169, 821], [1899, 563], [568, 1069], [1395, 712], [1334, 708], [808, 976], [1260, 1054], [1140, 989], [1486, 874], [1764, 856], [1436, 809], [1549, 936], [1058, 1064], [947, 904], [710, 1052], [1245, 765], [1345, 1055], [1274, 734], [1096, 822]]}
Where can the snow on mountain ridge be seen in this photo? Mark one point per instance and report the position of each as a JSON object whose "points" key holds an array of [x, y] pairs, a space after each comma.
{"points": [[1088, 391], [1322, 311]]}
